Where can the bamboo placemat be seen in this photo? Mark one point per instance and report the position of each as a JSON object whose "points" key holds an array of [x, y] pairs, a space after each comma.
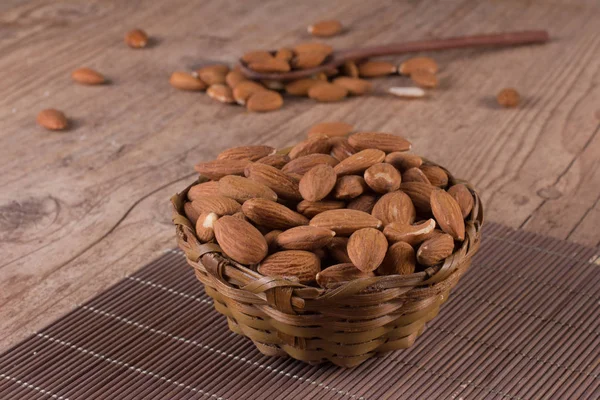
{"points": [[523, 323]]}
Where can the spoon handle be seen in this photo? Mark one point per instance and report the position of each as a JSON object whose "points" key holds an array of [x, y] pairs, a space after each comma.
{"points": [[501, 39]]}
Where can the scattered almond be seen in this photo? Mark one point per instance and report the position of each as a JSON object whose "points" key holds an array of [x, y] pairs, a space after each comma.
{"points": [[240, 240], [87, 76], [327, 92], [186, 81], [367, 248], [264, 100], [300, 87], [350, 69], [256, 56], [317, 183], [136, 39], [213, 74], [372, 69], [383, 178], [52, 119], [354, 86], [270, 65], [418, 63], [284, 54], [243, 90], [325, 28], [424, 78], [508, 97], [220, 92], [233, 78], [308, 60], [330, 129]]}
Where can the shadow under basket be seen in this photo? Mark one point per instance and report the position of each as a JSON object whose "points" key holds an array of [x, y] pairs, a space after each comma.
{"points": [[345, 325]]}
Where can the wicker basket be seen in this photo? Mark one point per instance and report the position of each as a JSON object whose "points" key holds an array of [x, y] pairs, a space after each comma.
{"points": [[347, 324]]}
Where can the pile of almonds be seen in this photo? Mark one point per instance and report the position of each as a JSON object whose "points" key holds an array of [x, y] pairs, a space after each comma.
{"points": [[336, 207]]}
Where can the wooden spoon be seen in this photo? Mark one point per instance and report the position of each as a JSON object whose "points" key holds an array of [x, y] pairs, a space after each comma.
{"points": [[338, 58]]}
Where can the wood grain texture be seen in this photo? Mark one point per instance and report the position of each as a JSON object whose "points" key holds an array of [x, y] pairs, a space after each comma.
{"points": [[83, 208]]}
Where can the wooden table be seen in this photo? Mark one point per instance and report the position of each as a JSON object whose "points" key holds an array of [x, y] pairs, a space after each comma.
{"points": [[81, 209]]}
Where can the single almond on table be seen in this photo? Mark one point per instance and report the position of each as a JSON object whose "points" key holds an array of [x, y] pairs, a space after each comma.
{"points": [[377, 140], [209, 188], [300, 87], [241, 189], [217, 169], [418, 63], [338, 249], [205, 226], [239, 240], [325, 28], [217, 204], [415, 175], [447, 213], [372, 69], [220, 92], [275, 160], [311, 208], [403, 161], [305, 238], [463, 197], [508, 97], [330, 129], [312, 145], [277, 180], [243, 90], [213, 74], [271, 238], [434, 250], [364, 203], [53, 120], [411, 234], [251, 153], [359, 162], [419, 193], [341, 148], [350, 69], [349, 187], [302, 164], [339, 273], [284, 54], [87, 76], [308, 60], [136, 39], [436, 175], [424, 78], [407, 92], [327, 92], [355, 86], [367, 248], [317, 183], [383, 178], [191, 213], [344, 221], [299, 264], [233, 78], [399, 260], [264, 100], [394, 207], [256, 56], [313, 47], [270, 65], [186, 81], [272, 215]]}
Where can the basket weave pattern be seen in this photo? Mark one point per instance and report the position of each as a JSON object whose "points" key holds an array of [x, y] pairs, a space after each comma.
{"points": [[345, 325]]}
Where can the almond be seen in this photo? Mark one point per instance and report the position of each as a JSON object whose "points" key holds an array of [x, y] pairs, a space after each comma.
{"points": [[436, 175], [344, 221], [270, 65], [53, 120], [251, 153], [271, 239], [242, 189], [87, 76], [312, 145], [243, 90], [354, 86], [299, 264], [448, 214], [311, 208], [256, 56], [305, 238], [424, 78], [383, 178], [217, 169], [272, 215], [317, 182], [372, 69], [376, 140], [185, 81], [205, 226], [365, 203], [239, 240], [284, 54], [341, 273], [136, 39], [359, 162], [220, 92], [233, 78], [273, 84], [275, 160], [341, 148], [217, 204], [411, 234], [367, 248], [418, 63], [300, 87], [394, 207], [325, 28], [415, 175], [213, 74], [338, 249], [399, 260], [508, 97], [434, 250], [330, 129], [302, 164], [264, 101], [403, 161], [419, 193], [463, 197], [209, 188], [349, 187], [313, 47], [278, 181], [350, 69], [191, 213], [327, 92], [306, 60], [407, 92], [239, 215]]}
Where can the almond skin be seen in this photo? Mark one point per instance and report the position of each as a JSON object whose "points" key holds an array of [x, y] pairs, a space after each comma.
{"points": [[434, 250], [205, 226], [217, 169], [327, 92], [186, 81], [284, 186], [311, 208], [326, 28], [330, 129], [275, 160], [424, 79], [367, 248], [52, 119], [264, 101], [341, 273], [399, 260], [233, 78], [313, 145], [383, 178], [305, 238], [220, 92], [272, 215], [415, 175], [217, 204], [305, 60], [354, 86], [243, 90], [341, 148], [447, 213], [136, 39], [300, 87], [463, 197], [241, 189], [411, 234], [299, 264], [418, 63], [251, 153], [435, 175], [345, 222], [364, 203], [191, 213], [394, 207], [240, 240], [372, 69], [349, 187], [419, 193], [209, 188], [270, 65], [386, 142], [359, 162], [403, 161], [317, 183], [213, 74], [301, 165], [87, 76]]}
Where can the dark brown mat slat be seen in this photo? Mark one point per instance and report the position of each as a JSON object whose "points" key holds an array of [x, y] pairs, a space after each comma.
{"points": [[524, 323]]}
